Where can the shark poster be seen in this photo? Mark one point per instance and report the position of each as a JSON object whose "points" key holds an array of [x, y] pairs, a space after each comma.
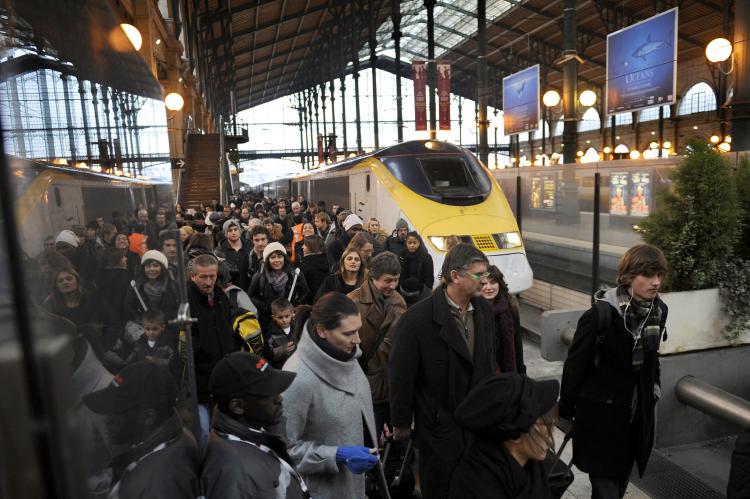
{"points": [[642, 64], [521, 101]]}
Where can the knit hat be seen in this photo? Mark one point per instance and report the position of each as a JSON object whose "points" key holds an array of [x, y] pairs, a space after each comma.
{"points": [[156, 256], [273, 247], [67, 237], [351, 221], [229, 223], [505, 406], [401, 224]]}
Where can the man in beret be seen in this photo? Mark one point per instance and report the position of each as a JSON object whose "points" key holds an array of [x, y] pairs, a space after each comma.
{"points": [[244, 458], [158, 457], [512, 418]]}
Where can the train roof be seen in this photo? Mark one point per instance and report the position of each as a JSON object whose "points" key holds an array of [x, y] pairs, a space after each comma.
{"points": [[411, 147]]}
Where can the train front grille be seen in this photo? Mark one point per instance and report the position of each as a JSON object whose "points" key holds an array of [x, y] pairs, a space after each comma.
{"points": [[484, 242]]}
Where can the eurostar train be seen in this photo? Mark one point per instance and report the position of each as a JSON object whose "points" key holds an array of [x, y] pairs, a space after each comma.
{"points": [[50, 198], [440, 189]]}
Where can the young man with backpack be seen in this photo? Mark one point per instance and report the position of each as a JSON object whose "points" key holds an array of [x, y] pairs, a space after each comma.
{"points": [[610, 382]]}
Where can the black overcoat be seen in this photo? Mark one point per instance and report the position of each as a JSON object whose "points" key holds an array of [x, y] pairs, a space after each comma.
{"points": [[431, 373], [608, 433]]}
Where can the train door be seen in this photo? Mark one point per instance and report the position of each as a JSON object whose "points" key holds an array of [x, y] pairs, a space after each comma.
{"points": [[362, 200]]}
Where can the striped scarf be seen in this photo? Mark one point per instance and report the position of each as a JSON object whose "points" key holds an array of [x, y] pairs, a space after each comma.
{"points": [[642, 320]]}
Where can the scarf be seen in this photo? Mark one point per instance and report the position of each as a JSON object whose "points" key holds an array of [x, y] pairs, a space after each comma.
{"points": [[154, 289], [642, 320], [278, 280], [329, 349]]}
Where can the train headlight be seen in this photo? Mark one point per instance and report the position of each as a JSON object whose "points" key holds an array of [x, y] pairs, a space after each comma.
{"points": [[438, 242], [507, 240]]}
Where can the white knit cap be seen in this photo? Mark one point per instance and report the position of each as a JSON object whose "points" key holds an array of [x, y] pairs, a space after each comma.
{"points": [[155, 255], [272, 247], [67, 237], [351, 221]]}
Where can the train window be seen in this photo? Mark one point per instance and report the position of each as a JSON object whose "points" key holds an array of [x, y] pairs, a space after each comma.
{"points": [[367, 183], [58, 199]]}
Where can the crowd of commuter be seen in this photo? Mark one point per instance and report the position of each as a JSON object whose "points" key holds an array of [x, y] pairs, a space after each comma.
{"points": [[316, 337]]}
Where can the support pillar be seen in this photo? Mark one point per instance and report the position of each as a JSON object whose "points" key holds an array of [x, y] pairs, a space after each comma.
{"points": [[323, 107], [482, 89], [46, 116], [85, 115], [431, 80], [373, 66], [317, 116], [332, 89], [396, 18], [355, 75], [569, 212], [311, 142], [342, 80], [69, 118], [741, 98]]}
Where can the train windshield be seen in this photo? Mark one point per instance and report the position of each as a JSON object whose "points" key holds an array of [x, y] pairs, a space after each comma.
{"points": [[452, 179]]}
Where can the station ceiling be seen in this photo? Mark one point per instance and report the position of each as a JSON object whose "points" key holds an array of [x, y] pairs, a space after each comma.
{"points": [[267, 49]]}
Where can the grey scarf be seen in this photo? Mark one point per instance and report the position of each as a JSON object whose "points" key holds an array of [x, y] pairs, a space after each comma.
{"points": [[278, 280], [642, 320]]}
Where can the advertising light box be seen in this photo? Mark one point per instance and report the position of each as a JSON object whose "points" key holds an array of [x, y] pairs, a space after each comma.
{"points": [[521, 101], [642, 64]]}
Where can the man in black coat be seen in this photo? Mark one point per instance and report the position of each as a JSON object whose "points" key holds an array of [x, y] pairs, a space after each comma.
{"points": [[443, 346], [244, 457], [610, 382], [213, 337], [157, 457], [235, 251]]}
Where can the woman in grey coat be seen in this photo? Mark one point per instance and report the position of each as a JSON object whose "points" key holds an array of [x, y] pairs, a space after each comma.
{"points": [[328, 407]]}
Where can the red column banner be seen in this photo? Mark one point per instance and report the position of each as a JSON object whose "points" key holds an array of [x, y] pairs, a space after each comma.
{"points": [[419, 75], [321, 153], [444, 94]]}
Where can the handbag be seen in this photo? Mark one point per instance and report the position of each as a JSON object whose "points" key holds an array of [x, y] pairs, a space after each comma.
{"points": [[559, 474]]}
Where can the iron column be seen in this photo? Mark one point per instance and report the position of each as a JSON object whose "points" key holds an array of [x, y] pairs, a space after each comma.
{"points": [[430, 5], [482, 79], [373, 66], [396, 18]]}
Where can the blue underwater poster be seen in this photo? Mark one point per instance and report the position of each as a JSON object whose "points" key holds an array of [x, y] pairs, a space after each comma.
{"points": [[642, 64], [521, 101]]}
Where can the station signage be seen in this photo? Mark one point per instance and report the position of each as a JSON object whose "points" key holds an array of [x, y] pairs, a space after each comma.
{"points": [[642, 64], [444, 94], [419, 77], [521, 101]]}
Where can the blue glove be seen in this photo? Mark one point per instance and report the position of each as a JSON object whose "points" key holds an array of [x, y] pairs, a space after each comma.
{"points": [[357, 458]]}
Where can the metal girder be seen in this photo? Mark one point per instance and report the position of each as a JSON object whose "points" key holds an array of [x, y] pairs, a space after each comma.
{"points": [[247, 5], [284, 38]]}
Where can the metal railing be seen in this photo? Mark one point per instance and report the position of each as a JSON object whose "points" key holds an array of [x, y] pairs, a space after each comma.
{"points": [[713, 401]]}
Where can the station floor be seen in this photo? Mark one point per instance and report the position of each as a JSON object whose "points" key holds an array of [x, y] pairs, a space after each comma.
{"points": [[537, 368]]}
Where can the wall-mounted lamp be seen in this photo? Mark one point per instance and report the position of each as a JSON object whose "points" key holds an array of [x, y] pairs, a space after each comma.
{"points": [[174, 101], [133, 35], [719, 50], [587, 98]]}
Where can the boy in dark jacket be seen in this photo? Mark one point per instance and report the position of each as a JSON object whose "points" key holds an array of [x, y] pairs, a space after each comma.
{"points": [[280, 345], [610, 382]]}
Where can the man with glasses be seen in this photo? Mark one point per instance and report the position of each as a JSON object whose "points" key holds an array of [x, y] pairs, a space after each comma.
{"points": [[443, 346]]}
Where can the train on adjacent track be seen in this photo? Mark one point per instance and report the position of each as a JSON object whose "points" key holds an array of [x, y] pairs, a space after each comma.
{"points": [[438, 188]]}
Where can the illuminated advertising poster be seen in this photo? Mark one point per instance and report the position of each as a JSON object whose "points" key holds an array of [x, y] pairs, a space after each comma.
{"points": [[444, 94], [536, 193], [640, 192], [419, 76], [642, 64], [521, 101], [549, 189], [618, 194]]}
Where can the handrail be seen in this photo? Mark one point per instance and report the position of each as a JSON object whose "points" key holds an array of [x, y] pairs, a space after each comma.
{"points": [[714, 401]]}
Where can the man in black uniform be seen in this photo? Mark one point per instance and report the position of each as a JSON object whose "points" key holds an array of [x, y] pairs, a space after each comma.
{"points": [[158, 457], [244, 457]]}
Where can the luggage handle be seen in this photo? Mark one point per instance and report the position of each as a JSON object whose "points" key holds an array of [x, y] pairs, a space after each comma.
{"points": [[558, 455]]}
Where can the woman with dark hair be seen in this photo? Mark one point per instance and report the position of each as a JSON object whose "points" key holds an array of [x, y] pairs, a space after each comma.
{"points": [[417, 261], [350, 275], [154, 290], [122, 242], [113, 279], [508, 341], [275, 281], [328, 407], [315, 264], [82, 308], [364, 244]]}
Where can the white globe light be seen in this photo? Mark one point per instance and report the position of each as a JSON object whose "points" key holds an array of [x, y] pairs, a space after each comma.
{"points": [[133, 35], [635, 154], [587, 98], [718, 50], [174, 101], [551, 98]]}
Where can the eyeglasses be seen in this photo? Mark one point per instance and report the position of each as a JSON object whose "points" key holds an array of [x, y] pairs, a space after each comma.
{"points": [[476, 277]]}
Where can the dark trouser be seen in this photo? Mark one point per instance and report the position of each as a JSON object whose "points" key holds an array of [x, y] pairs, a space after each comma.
{"points": [[382, 412], [605, 487]]}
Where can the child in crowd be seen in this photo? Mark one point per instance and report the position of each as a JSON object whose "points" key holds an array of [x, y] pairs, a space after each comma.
{"points": [[278, 338], [151, 346]]}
